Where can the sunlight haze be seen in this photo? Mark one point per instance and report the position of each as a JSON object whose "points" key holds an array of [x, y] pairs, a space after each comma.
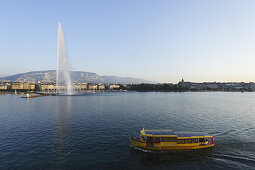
{"points": [[161, 41]]}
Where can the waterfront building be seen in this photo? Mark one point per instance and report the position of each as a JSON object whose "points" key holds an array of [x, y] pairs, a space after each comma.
{"points": [[92, 87], [17, 86], [29, 86], [49, 87], [3, 87], [251, 86], [234, 86], [209, 85], [81, 86], [101, 87], [113, 86], [196, 86], [60, 87]]}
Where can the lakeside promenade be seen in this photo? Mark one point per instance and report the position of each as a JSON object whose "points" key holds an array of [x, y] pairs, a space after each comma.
{"points": [[182, 86]]}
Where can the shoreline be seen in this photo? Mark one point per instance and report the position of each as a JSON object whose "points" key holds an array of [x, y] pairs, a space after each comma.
{"points": [[106, 91]]}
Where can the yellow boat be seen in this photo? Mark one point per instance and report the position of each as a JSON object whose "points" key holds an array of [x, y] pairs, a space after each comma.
{"points": [[166, 139]]}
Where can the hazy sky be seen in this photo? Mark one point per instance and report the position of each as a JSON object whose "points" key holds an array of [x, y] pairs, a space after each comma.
{"points": [[152, 39]]}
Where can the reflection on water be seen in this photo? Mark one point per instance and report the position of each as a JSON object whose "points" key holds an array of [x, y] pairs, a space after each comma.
{"points": [[62, 130], [147, 157]]}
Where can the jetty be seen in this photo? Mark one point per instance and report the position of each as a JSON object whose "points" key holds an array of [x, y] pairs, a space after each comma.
{"points": [[33, 96]]}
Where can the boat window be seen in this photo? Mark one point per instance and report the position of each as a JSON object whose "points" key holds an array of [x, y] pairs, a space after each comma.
{"points": [[180, 141], [168, 139], [149, 139], [156, 139], [194, 140], [201, 139], [164, 139], [187, 140], [143, 137]]}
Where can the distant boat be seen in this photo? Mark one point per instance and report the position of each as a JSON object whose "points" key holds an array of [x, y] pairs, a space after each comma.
{"points": [[33, 96], [27, 96], [15, 92], [166, 139]]}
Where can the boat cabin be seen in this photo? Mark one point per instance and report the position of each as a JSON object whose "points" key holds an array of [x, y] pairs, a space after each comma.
{"points": [[167, 137]]}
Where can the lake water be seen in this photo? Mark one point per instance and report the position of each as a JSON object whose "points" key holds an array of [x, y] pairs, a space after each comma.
{"points": [[92, 131]]}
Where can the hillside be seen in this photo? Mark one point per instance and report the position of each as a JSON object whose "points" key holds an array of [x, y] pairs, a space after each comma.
{"points": [[49, 76]]}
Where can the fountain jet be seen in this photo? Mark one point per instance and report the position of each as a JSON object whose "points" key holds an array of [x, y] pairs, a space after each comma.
{"points": [[62, 71]]}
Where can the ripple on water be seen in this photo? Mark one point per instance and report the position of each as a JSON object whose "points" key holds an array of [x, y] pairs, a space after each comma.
{"points": [[92, 131]]}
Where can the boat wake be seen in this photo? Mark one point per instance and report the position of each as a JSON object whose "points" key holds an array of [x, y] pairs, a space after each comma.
{"points": [[148, 151], [141, 149]]}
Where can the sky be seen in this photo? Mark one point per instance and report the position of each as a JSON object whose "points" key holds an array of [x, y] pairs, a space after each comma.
{"points": [[158, 40]]}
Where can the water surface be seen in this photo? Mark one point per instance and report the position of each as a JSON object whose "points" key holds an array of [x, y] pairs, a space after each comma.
{"points": [[92, 131]]}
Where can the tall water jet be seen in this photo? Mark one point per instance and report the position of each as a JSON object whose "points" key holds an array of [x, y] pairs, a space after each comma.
{"points": [[62, 71]]}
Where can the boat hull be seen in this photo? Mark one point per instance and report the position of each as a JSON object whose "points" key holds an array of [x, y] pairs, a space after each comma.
{"points": [[143, 145]]}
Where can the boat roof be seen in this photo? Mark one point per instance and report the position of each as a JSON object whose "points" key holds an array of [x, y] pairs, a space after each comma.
{"points": [[170, 133], [159, 132], [191, 134]]}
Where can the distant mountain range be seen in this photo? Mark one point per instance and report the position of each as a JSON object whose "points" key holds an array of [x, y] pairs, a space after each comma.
{"points": [[49, 76]]}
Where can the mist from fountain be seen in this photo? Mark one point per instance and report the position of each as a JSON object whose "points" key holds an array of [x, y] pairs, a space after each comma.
{"points": [[62, 71]]}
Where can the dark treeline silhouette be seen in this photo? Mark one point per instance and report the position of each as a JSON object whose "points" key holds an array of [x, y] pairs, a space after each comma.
{"points": [[157, 87]]}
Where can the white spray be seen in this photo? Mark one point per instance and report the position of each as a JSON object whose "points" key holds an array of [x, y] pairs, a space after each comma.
{"points": [[62, 71]]}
